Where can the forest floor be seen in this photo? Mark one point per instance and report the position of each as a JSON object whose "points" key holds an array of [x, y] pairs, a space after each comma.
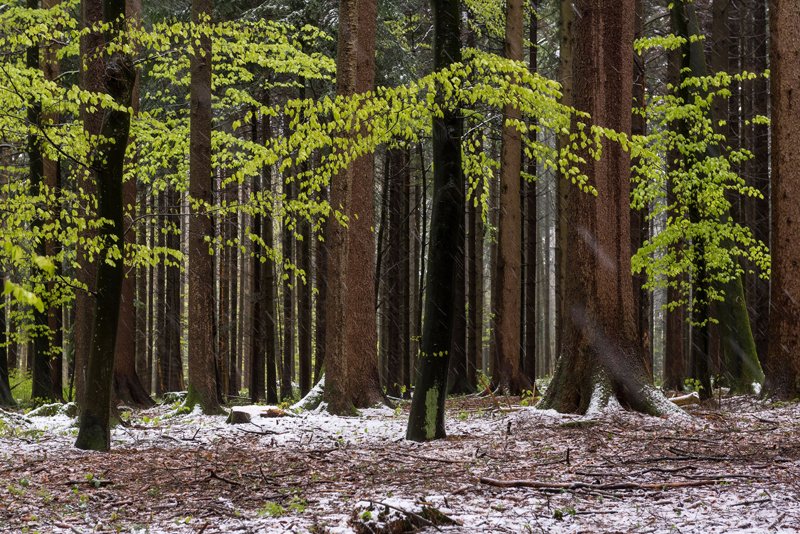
{"points": [[728, 468]]}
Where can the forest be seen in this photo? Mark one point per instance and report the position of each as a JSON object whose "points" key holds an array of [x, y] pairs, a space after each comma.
{"points": [[399, 266]]}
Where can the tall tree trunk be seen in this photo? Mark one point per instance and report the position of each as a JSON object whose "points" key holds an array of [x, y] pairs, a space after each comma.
{"points": [[260, 307], [639, 224], [392, 279], [321, 279], [42, 386], [304, 326], [426, 420], [509, 266], [363, 376], [107, 165], [567, 34], [351, 357], [601, 358], [530, 226], [758, 294], [288, 300], [170, 359], [782, 363], [741, 365], [128, 387], [6, 398], [202, 358]]}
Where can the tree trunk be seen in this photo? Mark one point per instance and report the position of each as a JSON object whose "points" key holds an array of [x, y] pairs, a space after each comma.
{"points": [[322, 297], [509, 265], [118, 77], [6, 398], [351, 357], [260, 307], [601, 358], [530, 227], [41, 386], [567, 36], [782, 364], [392, 279], [639, 223], [202, 358], [288, 301], [426, 420], [128, 387]]}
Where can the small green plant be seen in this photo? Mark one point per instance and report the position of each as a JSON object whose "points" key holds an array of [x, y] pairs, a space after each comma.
{"points": [[692, 385], [366, 515], [298, 504], [528, 397], [271, 509], [559, 513]]}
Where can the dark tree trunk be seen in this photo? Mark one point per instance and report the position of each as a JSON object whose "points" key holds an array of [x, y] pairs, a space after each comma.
{"points": [[782, 363], [322, 298], [392, 279], [288, 301], [128, 387], [260, 307], [601, 357], [42, 386], [530, 229], [170, 360], [426, 420], [304, 327], [6, 398], [107, 166], [639, 223]]}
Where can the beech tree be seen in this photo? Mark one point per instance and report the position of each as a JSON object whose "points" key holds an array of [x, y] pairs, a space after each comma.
{"points": [[782, 362], [107, 169], [426, 420]]}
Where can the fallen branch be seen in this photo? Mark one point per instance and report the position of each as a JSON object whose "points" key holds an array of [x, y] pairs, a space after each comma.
{"points": [[659, 486]]}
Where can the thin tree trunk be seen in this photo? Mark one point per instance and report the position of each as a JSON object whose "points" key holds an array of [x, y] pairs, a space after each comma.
{"points": [[6, 398], [288, 301], [530, 226]]}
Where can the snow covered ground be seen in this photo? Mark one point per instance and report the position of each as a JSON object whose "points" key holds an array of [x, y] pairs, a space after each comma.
{"points": [[728, 469]]}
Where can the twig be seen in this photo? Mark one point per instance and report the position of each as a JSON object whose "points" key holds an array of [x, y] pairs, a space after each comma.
{"points": [[754, 501], [212, 474], [408, 513], [660, 486]]}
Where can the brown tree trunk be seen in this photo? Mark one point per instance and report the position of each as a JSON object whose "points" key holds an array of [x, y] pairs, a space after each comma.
{"points": [[601, 358], [202, 358], [782, 363], [288, 301], [509, 266], [351, 356]]}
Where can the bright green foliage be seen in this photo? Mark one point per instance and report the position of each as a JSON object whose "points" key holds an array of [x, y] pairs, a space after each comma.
{"points": [[252, 59], [684, 151]]}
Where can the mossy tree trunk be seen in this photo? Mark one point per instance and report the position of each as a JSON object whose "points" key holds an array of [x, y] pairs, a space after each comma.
{"points": [[741, 366], [107, 168], [601, 357], [782, 362], [426, 420]]}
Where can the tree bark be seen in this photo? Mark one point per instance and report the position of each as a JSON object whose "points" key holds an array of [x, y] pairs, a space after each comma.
{"points": [[509, 265], [426, 420], [601, 358], [782, 363], [202, 358], [6, 398], [107, 166]]}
